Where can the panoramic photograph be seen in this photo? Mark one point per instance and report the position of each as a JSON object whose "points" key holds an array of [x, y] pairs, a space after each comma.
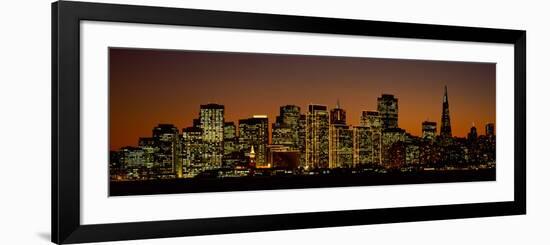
{"points": [[202, 121]]}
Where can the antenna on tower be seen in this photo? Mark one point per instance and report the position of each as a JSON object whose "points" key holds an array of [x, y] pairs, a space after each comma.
{"points": [[338, 103], [445, 94]]}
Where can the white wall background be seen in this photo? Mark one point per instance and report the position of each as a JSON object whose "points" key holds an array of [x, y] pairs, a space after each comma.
{"points": [[25, 121]]}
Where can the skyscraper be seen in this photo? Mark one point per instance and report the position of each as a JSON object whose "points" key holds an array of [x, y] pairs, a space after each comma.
{"points": [[289, 115], [445, 118], [361, 145], [282, 135], [147, 144], [192, 148], [338, 115], [368, 139], [133, 157], [412, 151], [285, 130], [340, 140], [253, 132], [302, 125], [211, 118], [371, 119], [388, 109], [166, 140], [317, 136], [392, 139], [429, 130], [230, 144]]}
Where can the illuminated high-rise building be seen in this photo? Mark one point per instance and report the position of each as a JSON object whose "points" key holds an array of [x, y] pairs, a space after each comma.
{"points": [[166, 140], [289, 115], [388, 109], [340, 140], [361, 145], [147, 144], [281, 135], [338, 115], [211, 118], [445, 131], [429, 130], [192, 148], [285, 130], [367, 139], [412, 152], [391, 137], [395, 155], [133, 157], [230, 144], [253, 132], [371, 119], [317, 137], [302, 125], [229, 131]]}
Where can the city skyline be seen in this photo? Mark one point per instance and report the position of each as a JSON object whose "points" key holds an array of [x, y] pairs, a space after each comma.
{"points": [[136, 107], [316, 141], [237, 123]]}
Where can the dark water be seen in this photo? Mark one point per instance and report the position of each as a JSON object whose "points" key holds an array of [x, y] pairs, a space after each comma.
{"points": [[196, 185]]}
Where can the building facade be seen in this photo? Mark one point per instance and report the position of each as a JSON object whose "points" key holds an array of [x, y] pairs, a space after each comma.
{"points": [[253, 132], [341, 146], [285, 130], [340, 140], [192, 150], [429, 130], [392, 146], [231, 153], [368, 139], [166, 140], [317, 137], [302, 125], [388, 110], [211, 120]]}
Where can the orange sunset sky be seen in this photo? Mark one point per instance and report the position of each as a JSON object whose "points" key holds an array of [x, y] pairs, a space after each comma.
{"points": [[148, 87]]}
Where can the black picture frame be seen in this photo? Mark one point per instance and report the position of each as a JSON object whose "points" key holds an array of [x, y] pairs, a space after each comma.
{"points": [[66, 18]]}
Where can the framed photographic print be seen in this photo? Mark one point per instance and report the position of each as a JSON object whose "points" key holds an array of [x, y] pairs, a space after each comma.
{"points": [[176, 122]]}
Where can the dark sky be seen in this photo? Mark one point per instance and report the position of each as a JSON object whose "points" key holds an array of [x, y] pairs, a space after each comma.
{"points": [[147, 87]]}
